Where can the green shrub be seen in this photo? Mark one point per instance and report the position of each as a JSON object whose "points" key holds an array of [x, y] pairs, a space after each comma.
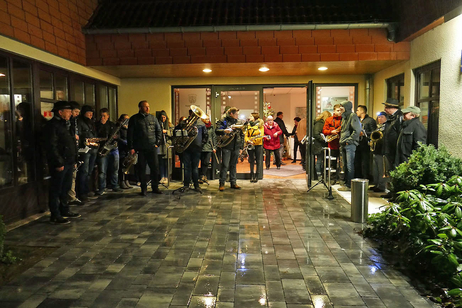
{"points": [[426, 165], [5, 256], [425, 229]]}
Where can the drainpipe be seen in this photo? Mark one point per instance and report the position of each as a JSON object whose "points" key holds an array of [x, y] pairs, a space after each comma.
{"points": [[369, 82]]}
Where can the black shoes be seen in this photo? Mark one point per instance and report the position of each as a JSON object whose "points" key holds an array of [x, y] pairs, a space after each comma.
{"points": [[76, 202], [156, 190], [387, 196], [143, 193], [117, 189], [376, 189], [293, 162], [59, 221], [198, 189], [71, 215]]}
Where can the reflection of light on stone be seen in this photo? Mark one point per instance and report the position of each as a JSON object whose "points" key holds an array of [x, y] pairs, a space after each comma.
{"points": [[262, 301], [266, 252], [318, 303], [209, 302], [209, 294], [373, 269]]}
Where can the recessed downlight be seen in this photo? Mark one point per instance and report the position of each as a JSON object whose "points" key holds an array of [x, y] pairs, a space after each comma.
{"points": [[2, 75], [207, 70], [322, 68], [263, 69]]}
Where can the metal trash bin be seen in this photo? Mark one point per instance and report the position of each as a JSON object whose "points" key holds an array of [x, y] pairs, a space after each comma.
{"points": [[359, 200]]}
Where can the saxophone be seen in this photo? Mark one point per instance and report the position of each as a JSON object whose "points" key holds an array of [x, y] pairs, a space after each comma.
{"points": [[376, 136], [111, 142]]}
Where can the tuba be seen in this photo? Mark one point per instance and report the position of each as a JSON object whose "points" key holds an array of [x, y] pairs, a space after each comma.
{"points": [[376, 136], [185, 135]]}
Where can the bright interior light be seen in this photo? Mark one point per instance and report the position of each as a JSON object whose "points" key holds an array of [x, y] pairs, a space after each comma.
{"points": [[207, 70], [322, 68], [263, 69], [229, 96], [2, 75]]}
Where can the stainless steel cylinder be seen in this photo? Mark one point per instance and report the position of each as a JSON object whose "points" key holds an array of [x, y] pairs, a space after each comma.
{"points": [[359, 200]]}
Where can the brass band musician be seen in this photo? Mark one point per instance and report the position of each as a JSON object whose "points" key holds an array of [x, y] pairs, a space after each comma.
{"points": [[254, 141], [230, 152]]}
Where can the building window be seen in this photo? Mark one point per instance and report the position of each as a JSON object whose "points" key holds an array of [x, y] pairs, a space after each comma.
{"points": [[395, 88], [6, 144], [428, 98]]}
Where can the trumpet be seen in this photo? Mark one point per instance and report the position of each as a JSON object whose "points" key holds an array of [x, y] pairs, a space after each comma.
{"points": [[129, 161], [376, 136], [94, 142]]}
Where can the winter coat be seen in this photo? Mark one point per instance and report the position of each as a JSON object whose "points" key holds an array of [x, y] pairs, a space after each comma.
{"points": [[283, 128], [201, 138], [411, 133], [379, 144], [369, 125], [166, 139], [122, 142], [301, 129], [273, 143], [59, 143], [351, 127], [294, 133], [144, 132], [332, 123], [238, 140], [104, 131], [211, 137], [86, 129], [255, 130], [319, 142], [390, 135]]}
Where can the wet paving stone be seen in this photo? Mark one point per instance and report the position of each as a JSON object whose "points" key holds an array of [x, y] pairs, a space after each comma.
{"points": [[269, 245]]}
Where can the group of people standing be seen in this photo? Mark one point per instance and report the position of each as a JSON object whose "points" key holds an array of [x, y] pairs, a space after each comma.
{"points": [[362, 142]]}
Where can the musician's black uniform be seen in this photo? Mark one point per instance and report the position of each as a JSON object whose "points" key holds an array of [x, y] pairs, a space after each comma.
{"points": [[86, 129], [230, 153], [144, 135], [110, 161], [61, 150]]}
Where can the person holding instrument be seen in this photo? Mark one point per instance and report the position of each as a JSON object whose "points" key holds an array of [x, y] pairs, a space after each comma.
{"points": [[208, 149], [254, 141]]}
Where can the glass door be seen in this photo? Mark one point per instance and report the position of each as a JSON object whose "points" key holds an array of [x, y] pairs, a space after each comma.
{"points": [[248, 99]]}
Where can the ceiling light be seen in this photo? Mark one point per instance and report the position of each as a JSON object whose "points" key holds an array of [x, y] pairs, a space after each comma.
{"points": [[322, 68], [2, 75], [207, 70], [263, 69]]}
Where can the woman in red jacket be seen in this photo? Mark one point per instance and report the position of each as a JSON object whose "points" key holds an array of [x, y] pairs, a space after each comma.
{"points": [[271, 142], [332, 128]]}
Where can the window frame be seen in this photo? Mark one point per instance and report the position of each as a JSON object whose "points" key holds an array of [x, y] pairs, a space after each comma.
{"points": [[393, 81]]}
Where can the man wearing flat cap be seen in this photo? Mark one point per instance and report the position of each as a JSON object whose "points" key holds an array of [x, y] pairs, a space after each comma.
{"points": [[61, 150], [391, 132], [412, 133]]}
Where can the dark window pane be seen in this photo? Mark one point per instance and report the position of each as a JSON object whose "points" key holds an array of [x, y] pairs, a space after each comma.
{"points": [[103, 99], [6, 148], [113, 103], [433, 122], [424, 114], [78, 92], [436, 83], [46, 84], [90, 94], [24, 138], [61, 88], [424, 85]]}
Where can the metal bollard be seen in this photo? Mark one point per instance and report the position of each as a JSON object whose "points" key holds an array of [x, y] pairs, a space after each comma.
{"points": [[359, 200]]}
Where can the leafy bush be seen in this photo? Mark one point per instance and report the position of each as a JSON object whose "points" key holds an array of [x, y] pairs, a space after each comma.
{"points": [[426, 165], [425, 227], [5, 256]]}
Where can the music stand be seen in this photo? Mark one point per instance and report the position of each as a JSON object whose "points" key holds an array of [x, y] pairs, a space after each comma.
{"points": [[183, 189], [326, 175]]}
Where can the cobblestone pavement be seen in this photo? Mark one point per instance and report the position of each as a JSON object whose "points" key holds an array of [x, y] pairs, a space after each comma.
{"points": [[269, 244]]}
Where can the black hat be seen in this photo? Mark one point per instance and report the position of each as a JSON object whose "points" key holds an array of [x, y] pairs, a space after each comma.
{"points": [[297, 119], [86, 108], [61, 105], [391, 102]]}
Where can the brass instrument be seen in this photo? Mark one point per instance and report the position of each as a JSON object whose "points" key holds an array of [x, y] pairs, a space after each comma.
{"points": [[128, 162], [376, 136], [111, 142], [251, 147], [303, 141], [183, 137], [330, 138], [94, 142], [227, 138]]}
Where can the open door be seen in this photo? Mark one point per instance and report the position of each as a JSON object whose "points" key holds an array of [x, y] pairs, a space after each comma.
{"points": [[310, 112]]}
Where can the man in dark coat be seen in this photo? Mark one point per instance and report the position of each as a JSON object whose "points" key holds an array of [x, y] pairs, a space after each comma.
{"points": [[349, 140], [282, 126], [412, 134], [144, 135], [61, 150], [297, 144], [376, 149], [230, 153], [363, 151]]}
